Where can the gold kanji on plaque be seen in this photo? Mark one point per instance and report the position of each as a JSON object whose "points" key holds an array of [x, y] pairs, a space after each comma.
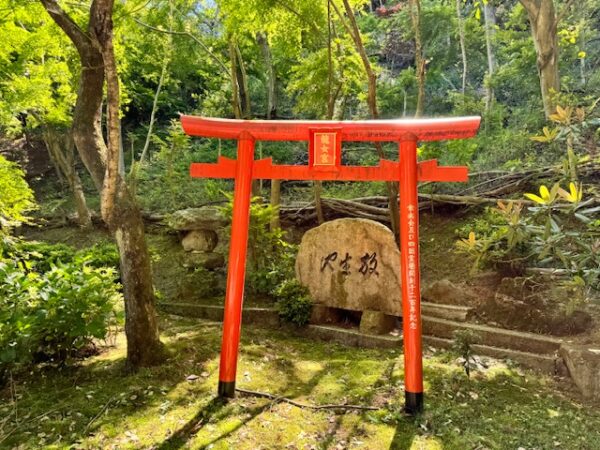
{"points": [[324, 145]]}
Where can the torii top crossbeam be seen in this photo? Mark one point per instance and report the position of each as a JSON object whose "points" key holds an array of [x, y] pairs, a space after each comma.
{"points": [[359, 130]]}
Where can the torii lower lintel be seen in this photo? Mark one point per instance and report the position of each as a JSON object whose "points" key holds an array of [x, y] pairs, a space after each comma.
{"points": [[264, 169], [325, 141]]}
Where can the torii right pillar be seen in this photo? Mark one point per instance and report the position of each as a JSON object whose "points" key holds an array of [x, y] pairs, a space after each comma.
{"points": [[410, 275]]}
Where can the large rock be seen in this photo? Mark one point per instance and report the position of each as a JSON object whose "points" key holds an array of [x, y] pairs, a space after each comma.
{"points": [[200, 241], [351, 264], [375, 322], [583, 363], [447, 293], [210, 261], [205, 218]]}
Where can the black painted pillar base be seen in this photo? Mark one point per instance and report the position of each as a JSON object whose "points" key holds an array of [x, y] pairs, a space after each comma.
{"points": [[227, 389], [413, 402]]}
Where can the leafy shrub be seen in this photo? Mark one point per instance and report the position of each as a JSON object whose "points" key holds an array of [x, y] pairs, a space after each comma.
{"points": [[50, 316], [104, 254], [36, 256], [481, 224], [558, 232], [42, 256], [293, 302], [270, 257], [53, 300], [163, 183], [16, 197]]}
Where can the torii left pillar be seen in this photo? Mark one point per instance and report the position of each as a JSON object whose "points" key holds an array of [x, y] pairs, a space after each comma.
{"points": [[325, 138], [238, 249]]}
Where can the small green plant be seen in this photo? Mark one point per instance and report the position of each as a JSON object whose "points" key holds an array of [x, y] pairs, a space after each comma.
{"points": [[54, 301], [462, 343], [557, 232], [270, 257], [16, 197], [293, 302], [51, 316]]}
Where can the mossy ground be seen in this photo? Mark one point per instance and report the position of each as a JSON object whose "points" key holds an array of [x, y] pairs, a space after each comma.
{"points": [[98, 405]]}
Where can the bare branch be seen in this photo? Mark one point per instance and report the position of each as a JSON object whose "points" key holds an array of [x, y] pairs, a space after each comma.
{"points": [[561, 15], [277, 399]]}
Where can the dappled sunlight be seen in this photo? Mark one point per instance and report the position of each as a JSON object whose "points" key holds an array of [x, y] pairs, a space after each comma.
{"points": [[98, 404], [305, 370]]}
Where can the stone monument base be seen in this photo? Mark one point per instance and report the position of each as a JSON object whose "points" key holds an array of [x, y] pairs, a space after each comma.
{"points": [[371, 322]]}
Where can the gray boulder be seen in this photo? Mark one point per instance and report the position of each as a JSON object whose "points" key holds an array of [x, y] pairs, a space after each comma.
{"points": [[210, 261], [200, 241], [583, 363], [205, 218]]}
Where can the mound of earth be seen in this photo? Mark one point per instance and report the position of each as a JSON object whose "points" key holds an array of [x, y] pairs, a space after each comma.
{"points": [[513, 303]]}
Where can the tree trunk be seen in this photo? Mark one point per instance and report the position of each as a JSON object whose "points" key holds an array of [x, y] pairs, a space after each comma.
{"points": [[242, 80], [271, 112], [463, 50], [141, 328], [119, 209], [61, 151], [415, 15], [271, 78], [489, 16], [392, 187], [275, 202], [543, 21], [235, 92]]}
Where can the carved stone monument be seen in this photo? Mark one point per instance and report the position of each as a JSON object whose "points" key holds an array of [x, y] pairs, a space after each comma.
{"points": [[352, 264]]}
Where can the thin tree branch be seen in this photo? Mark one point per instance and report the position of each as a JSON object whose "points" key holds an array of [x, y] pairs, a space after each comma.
{"points": [[220, 63], [563, 12], [311, 24], [278, 398], [342, 20], [163, 73]]}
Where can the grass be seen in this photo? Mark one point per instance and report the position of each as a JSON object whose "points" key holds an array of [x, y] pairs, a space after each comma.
{"points": [[97, 405]]}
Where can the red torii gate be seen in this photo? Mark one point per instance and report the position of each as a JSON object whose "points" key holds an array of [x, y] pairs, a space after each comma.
{"points": [[325, 143]]}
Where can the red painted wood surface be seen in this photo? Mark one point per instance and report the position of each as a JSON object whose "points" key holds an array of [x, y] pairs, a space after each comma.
{"points": [[360, 130], [234, 294], [410, 275], [386, 171]]}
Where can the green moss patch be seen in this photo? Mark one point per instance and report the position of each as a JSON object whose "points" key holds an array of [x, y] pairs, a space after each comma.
{"points": [[98, 405]]}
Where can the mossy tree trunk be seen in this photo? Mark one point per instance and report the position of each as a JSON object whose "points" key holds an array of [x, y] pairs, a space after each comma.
{"points": [[544, 23], [392, 187], [61, 151], [119, 208]]}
